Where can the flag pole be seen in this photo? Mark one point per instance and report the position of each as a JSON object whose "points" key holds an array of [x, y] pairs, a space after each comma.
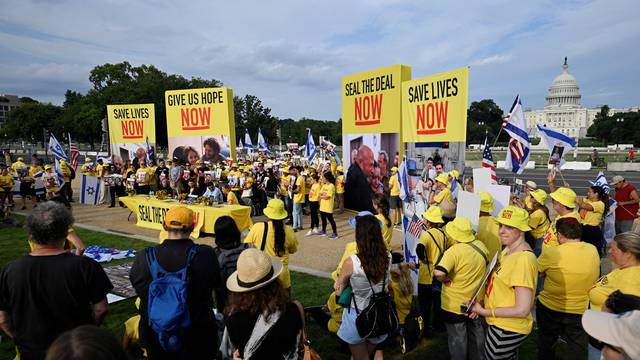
{"points": [[497, 136]]}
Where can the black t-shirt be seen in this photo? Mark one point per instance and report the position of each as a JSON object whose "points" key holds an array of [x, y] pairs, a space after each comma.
{"points": [[48, 295], [282, 338], [204, 276]]}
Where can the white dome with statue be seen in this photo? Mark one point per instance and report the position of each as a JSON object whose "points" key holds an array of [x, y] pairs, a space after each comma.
{"points": [[564, 91]]}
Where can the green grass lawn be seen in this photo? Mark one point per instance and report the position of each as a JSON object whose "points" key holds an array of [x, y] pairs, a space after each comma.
{"points": [[310, 290]]}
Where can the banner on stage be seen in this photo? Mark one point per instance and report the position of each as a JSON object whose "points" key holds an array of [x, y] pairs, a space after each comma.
{"points": [[434, 108], [371, 112], [130, 125], [200, 124], [152, 217]]}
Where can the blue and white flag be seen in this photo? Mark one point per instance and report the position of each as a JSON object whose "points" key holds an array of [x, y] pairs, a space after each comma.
{"points": [[558, 144], [454, 190], [412, 232], [262, 145], [518, 149], [58, 171], [310, 150], [601, 181], [89, 190], [403, 181], [56, 148], [150, 153], [39, 182], [247, 141], [240, 145]]}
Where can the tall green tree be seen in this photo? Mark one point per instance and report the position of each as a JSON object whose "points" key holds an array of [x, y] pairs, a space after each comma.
{"points": [[29, 120], [484, 115], [252, 115]]}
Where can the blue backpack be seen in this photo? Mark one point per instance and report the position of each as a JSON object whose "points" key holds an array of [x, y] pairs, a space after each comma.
{"points": [[167, 304]]}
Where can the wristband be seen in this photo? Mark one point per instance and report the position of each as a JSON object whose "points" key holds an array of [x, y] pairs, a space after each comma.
{"points": [[493, 312]]}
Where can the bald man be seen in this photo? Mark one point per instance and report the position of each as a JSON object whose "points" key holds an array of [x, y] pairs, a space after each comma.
{"points": [[357, 191]]}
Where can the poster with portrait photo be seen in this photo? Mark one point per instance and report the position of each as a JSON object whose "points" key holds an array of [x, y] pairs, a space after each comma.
{"points": [[368, 159], [129, 151], [189, 149], [556, 155]]}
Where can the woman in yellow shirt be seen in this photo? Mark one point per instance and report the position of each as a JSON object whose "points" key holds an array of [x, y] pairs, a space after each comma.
{"points": [[280, 240], [538, 217], [327, 195], [232, 199], [340, 188], [394, 192], [592, 209], [6, 186], [381, 205], [510, 289], [314, 205], [625, 253]]}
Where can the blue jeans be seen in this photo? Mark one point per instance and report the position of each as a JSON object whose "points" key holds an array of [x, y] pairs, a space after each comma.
{"points": [[297, 215]]}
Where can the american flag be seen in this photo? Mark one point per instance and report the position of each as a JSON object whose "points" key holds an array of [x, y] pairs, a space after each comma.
{"points": [[75, 153], [415, 226], [487, 161]]}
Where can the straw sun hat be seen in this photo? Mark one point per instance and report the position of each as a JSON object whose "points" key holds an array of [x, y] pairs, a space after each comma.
{"points": [[255, 270]]}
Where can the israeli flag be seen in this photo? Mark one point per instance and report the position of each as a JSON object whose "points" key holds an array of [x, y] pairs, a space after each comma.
{"points": [[39, 182], [601, 181], [89, 190], [556, 140], [56, 148], [58, 171], [518, 149], [454, 190], [403, 180], [150, 153], [247, 141], [240, 145], [310, 148], [262, 145]]}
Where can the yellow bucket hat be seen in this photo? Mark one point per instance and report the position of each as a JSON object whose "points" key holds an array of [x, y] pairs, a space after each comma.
{"points": [[433, 215], [486, 202], [539, 195], [443, 179], [87, 159], [275, 210], [460, 230], [515, 217], [339, 168], [565, 196], [394, 169], [454, 174]]}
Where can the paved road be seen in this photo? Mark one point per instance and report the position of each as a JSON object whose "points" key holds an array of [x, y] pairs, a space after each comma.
{"points": [[579, 180]]}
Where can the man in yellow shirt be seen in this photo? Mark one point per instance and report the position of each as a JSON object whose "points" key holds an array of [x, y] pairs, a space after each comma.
{"points": [[6, 186], [17, 166], [67, 191], [395, 203], [444, 194], [570, 270], [88, 168], [340, 188], [488, 225], [461, 270]]}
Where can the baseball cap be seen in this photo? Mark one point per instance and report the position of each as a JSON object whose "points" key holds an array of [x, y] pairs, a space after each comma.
{"points": [[179, 218], [20, 158], [565, 196], [621, 331], [354, 219], [515, 217], [394, 169], [460, 230], [486, 202], [616, 179], [433, 215]]}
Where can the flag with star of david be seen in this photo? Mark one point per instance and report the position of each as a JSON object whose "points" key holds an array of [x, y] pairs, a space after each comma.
{"points": [[89, 190]]}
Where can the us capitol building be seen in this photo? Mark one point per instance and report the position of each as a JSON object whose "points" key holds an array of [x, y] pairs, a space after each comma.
{"points": [[562, 111]]}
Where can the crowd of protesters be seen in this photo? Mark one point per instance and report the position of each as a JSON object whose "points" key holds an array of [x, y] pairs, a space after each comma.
{"points": [[547, 273]]}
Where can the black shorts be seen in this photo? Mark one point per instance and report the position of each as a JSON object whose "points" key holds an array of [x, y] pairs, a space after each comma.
{"points": [[26, 189], [395, 202]]}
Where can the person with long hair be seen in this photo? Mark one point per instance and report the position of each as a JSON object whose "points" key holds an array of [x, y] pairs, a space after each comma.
{"points": [[538, 217], [280, 240], [366, 272], [570, 269], [327, 195], [592, 209], [86, 342], [510, 290], [261, 321], [381, 205]]}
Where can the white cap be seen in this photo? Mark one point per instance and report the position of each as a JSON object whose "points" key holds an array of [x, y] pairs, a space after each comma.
{"points": [[619, 330]]}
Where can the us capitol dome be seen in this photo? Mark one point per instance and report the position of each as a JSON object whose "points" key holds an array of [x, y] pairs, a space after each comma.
{"points": [[563, 111]]}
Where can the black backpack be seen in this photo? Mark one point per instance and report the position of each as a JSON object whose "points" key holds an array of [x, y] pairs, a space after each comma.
{"points": [[413, 327], [379, 317]]}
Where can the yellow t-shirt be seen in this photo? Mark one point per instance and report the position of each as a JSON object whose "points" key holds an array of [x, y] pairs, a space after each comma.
{"points": [[33, 170], [66, 172], [488, 233], [308, 183], [626, 280], [443, 195], [593, 217], [87, 169], [539, 223], [232, 199], [394, 186], [465, 267], [550, 238], [6, 181], [387, 231], [248, 182], [402, 302], [340, 184], [16, 165], [284, 184], [298, 197], [99, 170], [329, 190], [434, 248], [517, 269], [314, 192], [290, 246], [139, 176], [528, 203], [570, 270], [350, 249], [152, 172]]}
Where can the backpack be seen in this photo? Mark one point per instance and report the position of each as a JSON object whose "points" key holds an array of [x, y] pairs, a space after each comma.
{"points": [[413, 328], [379, 317], [228, 260], [167, 310]]}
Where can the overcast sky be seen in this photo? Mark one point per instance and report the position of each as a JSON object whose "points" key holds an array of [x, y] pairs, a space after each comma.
{"points": [[292, 54]]}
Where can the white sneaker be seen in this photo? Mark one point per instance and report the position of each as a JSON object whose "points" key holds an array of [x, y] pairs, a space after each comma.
{"points": [[309, 233], [316, 232]]}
